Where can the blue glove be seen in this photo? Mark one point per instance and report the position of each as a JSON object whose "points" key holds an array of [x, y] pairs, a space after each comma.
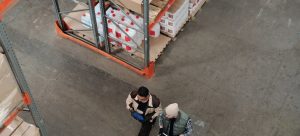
{"points": [[138, 116]]}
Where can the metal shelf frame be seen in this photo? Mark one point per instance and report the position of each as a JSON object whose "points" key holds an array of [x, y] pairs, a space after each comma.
{"points": [[6, 45], [105, 48], [25, 90]]}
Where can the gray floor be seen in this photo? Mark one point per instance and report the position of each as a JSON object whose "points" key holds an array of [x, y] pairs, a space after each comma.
{"points": [[235, 69]]}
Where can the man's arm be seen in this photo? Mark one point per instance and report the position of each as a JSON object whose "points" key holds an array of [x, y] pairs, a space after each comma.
{"points": [[129, 101], [157, 106], [188, 128], [160, 120], [157, 111]]}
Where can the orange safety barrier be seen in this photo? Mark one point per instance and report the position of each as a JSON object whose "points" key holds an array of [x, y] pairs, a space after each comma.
{"points": [[11, 117], [161, 14], [26, 98], [147, 72]]}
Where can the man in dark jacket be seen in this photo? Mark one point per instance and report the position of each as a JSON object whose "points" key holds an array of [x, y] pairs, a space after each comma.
{"points": [[174, 122], [144, 107]]}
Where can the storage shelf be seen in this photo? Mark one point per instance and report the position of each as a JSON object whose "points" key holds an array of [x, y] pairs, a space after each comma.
{"points": [[157, 45]]}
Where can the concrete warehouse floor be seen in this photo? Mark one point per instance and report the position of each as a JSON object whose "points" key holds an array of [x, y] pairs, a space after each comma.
{"points": [[235, 69]]}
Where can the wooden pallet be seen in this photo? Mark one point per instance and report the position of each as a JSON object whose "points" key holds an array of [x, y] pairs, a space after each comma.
{"points": [[193, 14], [157, 45], [164, 5]]}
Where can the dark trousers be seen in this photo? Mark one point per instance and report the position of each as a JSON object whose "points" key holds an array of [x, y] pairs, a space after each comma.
{"points": [[146, 128]]}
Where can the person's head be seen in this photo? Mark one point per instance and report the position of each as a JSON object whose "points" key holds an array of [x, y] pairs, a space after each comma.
{"points": [[143, 94], [172, 111]]}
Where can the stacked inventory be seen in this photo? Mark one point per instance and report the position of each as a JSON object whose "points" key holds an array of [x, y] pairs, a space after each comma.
{"points": [[117, 20], [121, 27], [175, 18], [123, 36], [10, 96], [194, 6], [11, 102], [18, 127]]}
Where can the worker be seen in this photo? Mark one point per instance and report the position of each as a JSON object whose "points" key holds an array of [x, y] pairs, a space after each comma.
{"points": [[174, 122], [144, 107]]}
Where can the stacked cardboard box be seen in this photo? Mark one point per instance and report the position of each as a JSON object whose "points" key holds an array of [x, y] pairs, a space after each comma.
{"points": [[194, 6], [134, 5], [10, 94], [18, 127], [175, 18], [121, 28]]}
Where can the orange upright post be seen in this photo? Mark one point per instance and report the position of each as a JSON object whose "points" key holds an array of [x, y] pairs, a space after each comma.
{"points": [[5, 5]]}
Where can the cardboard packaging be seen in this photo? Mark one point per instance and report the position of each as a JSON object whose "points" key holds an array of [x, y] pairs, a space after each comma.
{"points": [[18, 127], [10, 94], [173, 29], [194, 6], [7, 131], [26, 129], [175, 18], [176, 10], [134, 5]]}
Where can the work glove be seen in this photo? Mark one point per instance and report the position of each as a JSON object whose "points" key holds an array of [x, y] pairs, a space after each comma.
{"points": [[130, 108]]}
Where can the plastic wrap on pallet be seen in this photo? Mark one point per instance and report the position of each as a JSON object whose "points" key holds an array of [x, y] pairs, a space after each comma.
{"points": [[10, 94]]}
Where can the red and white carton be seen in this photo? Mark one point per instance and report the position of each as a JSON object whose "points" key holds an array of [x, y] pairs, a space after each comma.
{"points": [[194, 5], [137, 18], [163, 28], [155, 31], [173, 30], [129, 48], [163, 21], [86, 19], [178, 21], [172, 26], [129, 38], [177, 8], [175, 18]]}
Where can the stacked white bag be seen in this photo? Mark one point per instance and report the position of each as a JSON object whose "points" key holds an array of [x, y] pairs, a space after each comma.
{"points": [[175, 18], [128, 38], [86, 20], [194, 5]]}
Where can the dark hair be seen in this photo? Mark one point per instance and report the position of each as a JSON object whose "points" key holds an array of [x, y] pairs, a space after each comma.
{"points": [[143, 91]]}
